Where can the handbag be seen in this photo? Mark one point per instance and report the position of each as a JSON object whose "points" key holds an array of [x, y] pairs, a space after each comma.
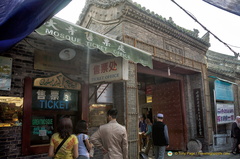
{"points": [[60, 145]]}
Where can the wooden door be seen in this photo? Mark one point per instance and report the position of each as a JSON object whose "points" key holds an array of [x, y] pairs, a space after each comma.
{"points": [[167, 100]]}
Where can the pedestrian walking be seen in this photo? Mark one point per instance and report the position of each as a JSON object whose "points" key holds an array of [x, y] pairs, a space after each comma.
{"points": [[142, 125], [111, 138], [142, 129], [63, 144], [160, 137], [84, 146], [235, 134], [148, 134]]}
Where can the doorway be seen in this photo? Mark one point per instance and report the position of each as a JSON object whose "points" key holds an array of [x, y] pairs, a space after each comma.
{"points": [[163, 95]]}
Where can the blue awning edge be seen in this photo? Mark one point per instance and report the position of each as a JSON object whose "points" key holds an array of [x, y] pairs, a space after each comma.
{"points": [[20, 18]]}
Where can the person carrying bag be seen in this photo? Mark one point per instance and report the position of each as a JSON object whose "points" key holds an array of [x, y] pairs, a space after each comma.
{"points": [[85, 148], [60, 145], [63, 142]]}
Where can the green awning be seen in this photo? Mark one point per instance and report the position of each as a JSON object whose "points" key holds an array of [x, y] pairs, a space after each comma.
{"points": [[63, 30]]}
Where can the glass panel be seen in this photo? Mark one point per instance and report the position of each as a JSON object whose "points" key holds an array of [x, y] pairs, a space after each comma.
{"points": [[11, 111], [42, 129]]}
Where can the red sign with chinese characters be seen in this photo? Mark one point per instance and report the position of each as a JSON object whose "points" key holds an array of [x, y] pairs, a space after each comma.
{"points": [[109, 70]]}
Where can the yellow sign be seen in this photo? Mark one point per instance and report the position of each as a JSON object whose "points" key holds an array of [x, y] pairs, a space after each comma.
{"points": [[57, 81]]}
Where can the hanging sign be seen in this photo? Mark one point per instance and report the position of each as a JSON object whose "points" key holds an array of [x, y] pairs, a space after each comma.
{"points": [[108, 71], [78, 35]]}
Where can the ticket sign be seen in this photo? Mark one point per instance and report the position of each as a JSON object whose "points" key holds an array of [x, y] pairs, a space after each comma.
{"points": [[110, 70], [54, 99]]}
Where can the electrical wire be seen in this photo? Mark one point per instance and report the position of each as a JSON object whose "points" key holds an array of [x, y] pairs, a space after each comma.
{"points": [[235, 53]]}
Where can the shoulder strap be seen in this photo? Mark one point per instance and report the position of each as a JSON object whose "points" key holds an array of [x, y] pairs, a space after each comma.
{"points": [[60, 145], [84, 141]]}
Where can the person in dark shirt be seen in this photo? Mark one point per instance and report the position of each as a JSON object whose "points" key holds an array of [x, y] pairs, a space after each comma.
{"points": [[235, 134], [142, 125], [143, 128], [160, 137]]}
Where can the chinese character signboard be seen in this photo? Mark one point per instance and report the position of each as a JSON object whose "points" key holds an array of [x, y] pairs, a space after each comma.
{"points": [[225, 113], [55, 93], [109, 71], [5, 73], [198, 111], [54, 99], [81, 36]]}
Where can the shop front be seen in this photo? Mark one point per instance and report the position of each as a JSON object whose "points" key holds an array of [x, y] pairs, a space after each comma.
{"points": [[223, 71], [61, 69]]}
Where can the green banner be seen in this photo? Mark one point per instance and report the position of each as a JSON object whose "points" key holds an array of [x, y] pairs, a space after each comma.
{"points": [[63, 30]]}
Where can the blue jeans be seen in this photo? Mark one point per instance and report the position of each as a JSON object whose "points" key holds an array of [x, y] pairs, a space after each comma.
{"points": [[159, 152]]}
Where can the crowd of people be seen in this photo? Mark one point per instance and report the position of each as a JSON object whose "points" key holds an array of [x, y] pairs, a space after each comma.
{"points": [[111, 138]]}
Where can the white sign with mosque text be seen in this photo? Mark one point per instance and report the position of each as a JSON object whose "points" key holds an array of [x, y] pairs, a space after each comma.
{"points": [[110, 70]]}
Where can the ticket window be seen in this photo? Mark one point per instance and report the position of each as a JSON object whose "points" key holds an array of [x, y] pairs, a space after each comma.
{"points": [[43, 106], [48, 105]]}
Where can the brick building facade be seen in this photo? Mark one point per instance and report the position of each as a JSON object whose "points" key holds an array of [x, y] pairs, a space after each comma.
{"points": [[178, 79], [178, 83]]}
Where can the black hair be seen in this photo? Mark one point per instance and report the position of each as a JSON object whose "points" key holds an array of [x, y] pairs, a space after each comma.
{"points": [[81, 127], [113, 113], [64, 127]]}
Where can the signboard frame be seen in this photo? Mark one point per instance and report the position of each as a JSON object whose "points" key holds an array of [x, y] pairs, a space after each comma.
{"points": [[224, 113], [110, 70]]}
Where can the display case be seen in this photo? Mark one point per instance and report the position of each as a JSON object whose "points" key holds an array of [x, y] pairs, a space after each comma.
{"points": [[11, 111]]}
